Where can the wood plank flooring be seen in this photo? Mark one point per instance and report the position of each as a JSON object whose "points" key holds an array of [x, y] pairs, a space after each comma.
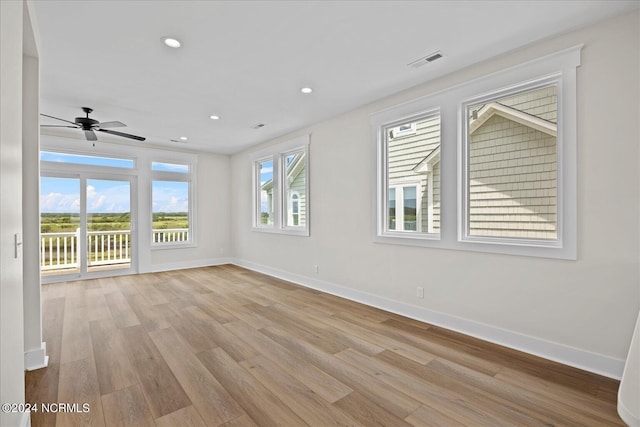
{"points": [[224, 346]]}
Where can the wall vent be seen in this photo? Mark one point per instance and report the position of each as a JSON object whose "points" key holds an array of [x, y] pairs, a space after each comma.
{"points": [[426, 59]]}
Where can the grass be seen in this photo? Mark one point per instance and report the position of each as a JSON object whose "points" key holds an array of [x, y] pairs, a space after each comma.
{"points": [[69, 222]]}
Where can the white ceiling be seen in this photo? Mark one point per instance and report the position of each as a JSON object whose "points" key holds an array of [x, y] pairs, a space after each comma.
{"points": [[246, 61]]}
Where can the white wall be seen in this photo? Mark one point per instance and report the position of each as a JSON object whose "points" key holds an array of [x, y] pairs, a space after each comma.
{"points": [[579, 312], [34, 348], [11, 307]]}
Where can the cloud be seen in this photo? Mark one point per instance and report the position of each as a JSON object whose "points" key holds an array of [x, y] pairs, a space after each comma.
{"points": [[60, 203], [114, 199], [170, 196]]}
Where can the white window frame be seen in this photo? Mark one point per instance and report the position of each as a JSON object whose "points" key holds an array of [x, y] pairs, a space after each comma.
{"points": [[278, 153], [290, 212], [464, 225], [397, 131], [257, 200], [399, 189], [560, 67], [382, 126], [187, 177]]}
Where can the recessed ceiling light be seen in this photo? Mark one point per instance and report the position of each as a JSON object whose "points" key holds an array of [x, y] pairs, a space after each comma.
{"points": [[183, 138], [214, 117], [306, 90], [171, 42]]}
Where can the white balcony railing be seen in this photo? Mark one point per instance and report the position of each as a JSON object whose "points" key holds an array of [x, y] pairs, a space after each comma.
{"points": [[60, 251], [170, 235]]}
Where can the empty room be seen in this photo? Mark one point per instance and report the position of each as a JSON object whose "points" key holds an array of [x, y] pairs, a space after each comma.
{"points": [[319, 213]]}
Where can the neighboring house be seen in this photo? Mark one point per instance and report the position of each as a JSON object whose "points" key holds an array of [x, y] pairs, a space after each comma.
{"points": [[414, 176], [296, 198], [512, 169]]}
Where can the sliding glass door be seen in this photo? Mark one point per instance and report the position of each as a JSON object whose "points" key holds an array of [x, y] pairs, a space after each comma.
{"points": [[86, 226]]}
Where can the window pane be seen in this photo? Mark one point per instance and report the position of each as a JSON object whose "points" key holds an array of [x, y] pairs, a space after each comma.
{"points": [[414, 158], [265, 208], [108, 243], [170, 204], [392, 209], [295, 189], [410, 210], [59, 225], [48, 156], [169, 167], [511, 152]]}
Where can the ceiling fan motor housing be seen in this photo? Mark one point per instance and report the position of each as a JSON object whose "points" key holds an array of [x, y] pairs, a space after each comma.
{"points": [[86, 122]]}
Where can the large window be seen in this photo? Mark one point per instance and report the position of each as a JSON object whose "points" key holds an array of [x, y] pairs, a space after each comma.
{"points": [[171, 205], [411, 183], [281, 188], [489, 165], [510, 151]]}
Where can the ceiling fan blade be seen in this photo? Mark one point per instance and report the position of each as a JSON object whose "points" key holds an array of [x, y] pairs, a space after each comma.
{"points": [[58, 126], [115, 124], [90, 135], [57, 118], [125, 135]]}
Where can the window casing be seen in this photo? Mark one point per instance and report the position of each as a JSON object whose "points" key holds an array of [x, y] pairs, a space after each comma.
{"points": [[410, 178], [281, 188], [519, 126], [510, 160]]}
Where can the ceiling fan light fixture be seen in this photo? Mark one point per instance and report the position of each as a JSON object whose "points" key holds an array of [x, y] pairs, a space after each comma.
{"points": [[171, 42], [214, 117], [183, 138], [306, 90]]}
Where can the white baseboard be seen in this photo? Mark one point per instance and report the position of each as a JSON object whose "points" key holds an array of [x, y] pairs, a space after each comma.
{"points": [[25, 421], [557, 352], [36, 359], [156, 268]]}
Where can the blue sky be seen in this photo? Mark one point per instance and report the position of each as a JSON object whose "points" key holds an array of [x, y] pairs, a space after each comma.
{"points": [[170, 196], [86, 160], [266, 173], [62, 195]]}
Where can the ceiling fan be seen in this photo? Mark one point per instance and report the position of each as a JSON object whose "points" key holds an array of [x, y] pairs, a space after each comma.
{"points": [[89, 126]]}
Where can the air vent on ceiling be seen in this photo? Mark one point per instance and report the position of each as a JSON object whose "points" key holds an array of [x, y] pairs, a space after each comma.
{"points": [[426, 59]]}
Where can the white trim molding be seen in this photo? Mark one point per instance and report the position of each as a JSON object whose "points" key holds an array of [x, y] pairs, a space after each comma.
{"points": [[36, 359], [557, 352]]}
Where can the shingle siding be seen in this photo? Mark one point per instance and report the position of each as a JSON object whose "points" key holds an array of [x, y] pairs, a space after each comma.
{"points": [[512, 173], [404, 154]]}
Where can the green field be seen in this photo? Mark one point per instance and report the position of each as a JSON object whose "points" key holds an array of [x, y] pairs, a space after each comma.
{"points": [[66, 222]]}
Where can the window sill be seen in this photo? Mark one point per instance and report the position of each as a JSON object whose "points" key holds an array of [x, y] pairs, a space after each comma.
{"points": [[160, 246], [286, 231]]}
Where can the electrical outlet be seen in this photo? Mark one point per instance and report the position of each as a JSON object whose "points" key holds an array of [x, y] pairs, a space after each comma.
{"points": [[420, 292]]}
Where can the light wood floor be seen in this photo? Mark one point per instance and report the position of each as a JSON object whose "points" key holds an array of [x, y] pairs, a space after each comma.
{"points": [[226, 346]]}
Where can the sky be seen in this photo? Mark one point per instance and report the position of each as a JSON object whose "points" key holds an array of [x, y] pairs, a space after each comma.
{"points": [[62, 195], [266, 173]]}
